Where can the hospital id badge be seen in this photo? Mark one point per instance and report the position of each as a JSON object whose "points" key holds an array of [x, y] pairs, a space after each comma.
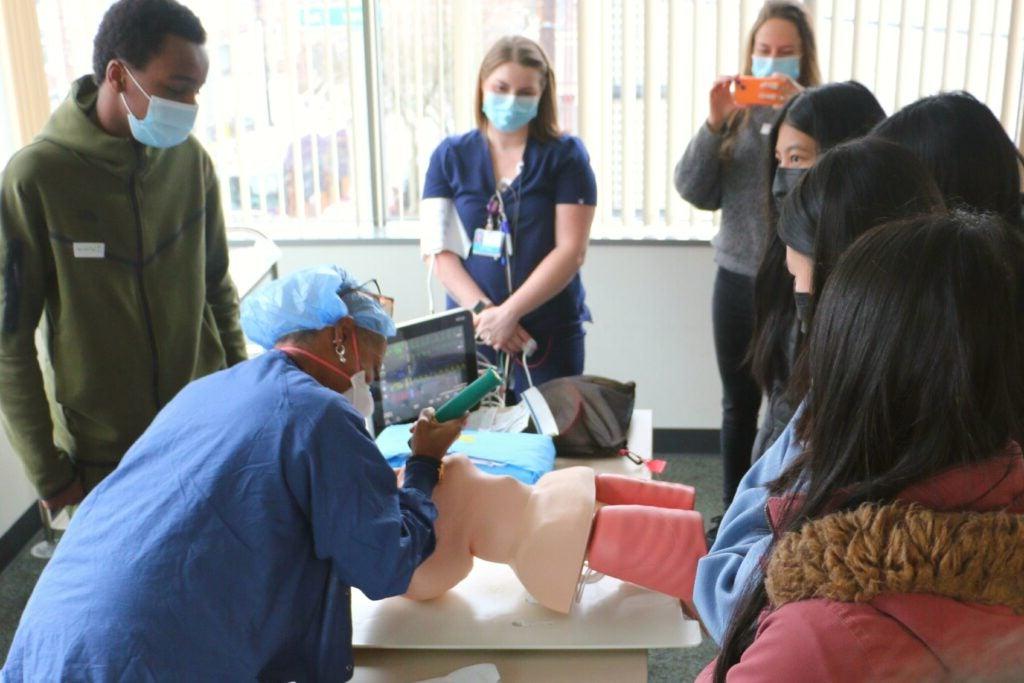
{"points": [[488, 242]]}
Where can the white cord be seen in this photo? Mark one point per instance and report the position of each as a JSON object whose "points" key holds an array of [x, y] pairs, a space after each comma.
{"points": [[526, 369], [508, 368], [430, 282], [496, 398]]}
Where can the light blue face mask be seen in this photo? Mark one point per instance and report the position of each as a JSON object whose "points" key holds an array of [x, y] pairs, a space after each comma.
{"points": [[167, 122], [762, 67], [508, 112]]}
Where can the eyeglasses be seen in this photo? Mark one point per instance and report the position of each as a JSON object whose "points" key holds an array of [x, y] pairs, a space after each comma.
{"points": [[371, 290]]}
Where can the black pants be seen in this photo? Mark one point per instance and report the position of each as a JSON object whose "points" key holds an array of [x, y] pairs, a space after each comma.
{"points": [[732, 319]]}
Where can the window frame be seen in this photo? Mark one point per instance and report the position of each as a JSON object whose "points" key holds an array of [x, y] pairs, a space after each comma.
{"points": [[28, 107]]}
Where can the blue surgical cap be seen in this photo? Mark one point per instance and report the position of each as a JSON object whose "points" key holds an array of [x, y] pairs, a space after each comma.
{"points": [[367, 311], [308, 300]]}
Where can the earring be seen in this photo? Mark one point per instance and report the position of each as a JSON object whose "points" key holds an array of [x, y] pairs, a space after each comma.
{"points": [[339, 348]]}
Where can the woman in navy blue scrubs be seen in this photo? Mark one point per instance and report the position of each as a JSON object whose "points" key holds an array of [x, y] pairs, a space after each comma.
{"points": [[508, 208]]}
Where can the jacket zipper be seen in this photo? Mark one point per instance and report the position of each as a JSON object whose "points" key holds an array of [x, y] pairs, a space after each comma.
{"points": [[141, 282]]}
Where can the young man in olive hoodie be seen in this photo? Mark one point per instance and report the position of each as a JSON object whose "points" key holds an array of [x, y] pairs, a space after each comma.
{"points": [[111, 226]]}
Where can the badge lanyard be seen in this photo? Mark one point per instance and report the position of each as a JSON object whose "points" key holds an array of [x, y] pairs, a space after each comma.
{"points": [[496, 239]]}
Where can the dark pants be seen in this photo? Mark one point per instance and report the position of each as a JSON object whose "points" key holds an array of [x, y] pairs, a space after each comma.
{"points": [[732, 318], [559, 354]]}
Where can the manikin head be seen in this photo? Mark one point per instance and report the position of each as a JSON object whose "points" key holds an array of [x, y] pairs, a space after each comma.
{"points": [[541, 531], [641, 531]]}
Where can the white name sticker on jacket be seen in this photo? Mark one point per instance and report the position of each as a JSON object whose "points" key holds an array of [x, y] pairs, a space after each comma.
{"points": [[90, 249]]}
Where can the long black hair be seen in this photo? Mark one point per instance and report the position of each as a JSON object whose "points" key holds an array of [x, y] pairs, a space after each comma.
{"points": [[852, 188], [915, 360], [974, 161], [829, 114]]}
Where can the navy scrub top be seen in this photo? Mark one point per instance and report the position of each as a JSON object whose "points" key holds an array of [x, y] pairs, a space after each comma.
{"points": [[223, 546], [554, 172]]}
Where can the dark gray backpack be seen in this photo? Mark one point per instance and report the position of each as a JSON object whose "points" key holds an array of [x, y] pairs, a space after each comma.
{"points": [[592, 414]]}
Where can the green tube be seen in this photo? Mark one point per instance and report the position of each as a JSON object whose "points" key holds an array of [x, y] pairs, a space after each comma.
{"points": [[469, 397]]}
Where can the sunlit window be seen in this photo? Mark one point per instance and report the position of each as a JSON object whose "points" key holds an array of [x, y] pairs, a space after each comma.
{"points": [[321, 120], [7, 143]]}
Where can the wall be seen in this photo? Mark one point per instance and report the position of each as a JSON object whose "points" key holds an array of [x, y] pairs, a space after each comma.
{"points": [[651, 303], [16, 495]]}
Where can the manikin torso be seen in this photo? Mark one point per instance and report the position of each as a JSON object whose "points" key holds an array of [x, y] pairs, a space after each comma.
{"points": [[540, 531]]}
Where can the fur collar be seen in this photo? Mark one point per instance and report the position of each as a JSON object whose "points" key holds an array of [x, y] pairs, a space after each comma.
{"points": [[854, 556]]}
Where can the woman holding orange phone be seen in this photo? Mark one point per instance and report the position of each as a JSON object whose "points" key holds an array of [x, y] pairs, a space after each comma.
{"points": [[725, 167]]}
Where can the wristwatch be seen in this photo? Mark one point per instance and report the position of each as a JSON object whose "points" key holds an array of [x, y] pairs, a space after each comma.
{"points": [[479, 306]]}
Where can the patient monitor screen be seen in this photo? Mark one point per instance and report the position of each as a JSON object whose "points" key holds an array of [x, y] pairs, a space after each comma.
{"points": [[426, 363]]}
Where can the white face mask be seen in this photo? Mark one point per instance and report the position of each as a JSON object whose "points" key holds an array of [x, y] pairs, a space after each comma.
{"points": [[359, 395]]}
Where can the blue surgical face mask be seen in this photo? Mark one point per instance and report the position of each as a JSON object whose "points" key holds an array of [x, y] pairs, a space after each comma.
{"points": [[508, 112], [167, 122], [762, 67]]}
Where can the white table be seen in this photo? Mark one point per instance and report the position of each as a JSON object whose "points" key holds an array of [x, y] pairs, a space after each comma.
{"points": [[489, 617]]}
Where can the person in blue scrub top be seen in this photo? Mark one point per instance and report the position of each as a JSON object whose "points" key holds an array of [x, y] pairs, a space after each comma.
{"points": [[508, 209], [224, 545]]}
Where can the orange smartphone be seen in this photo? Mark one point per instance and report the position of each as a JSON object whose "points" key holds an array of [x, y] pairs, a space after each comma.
{"points": [[751, 90]]}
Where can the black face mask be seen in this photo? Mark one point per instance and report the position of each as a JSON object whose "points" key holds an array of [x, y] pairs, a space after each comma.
{"points": [[803, 310], [784, 182]]}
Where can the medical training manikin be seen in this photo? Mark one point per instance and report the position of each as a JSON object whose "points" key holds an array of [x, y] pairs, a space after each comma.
{"points": [[644, 532]]}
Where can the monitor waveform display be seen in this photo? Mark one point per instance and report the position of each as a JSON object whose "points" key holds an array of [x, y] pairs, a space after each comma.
{"points": [[422, 372]]}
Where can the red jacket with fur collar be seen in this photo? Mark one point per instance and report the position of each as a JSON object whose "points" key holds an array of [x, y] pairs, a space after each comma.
{"points": [[928, 588]]}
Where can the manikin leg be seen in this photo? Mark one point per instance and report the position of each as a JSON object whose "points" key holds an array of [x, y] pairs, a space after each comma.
{"points": [[653, 547], [616, 489]]}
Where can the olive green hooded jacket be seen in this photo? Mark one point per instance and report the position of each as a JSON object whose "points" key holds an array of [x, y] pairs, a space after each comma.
{"points": [[121, 249]]}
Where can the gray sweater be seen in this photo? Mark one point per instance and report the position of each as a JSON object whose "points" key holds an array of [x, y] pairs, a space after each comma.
{"points": [[738, 186], [779, 411]]}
